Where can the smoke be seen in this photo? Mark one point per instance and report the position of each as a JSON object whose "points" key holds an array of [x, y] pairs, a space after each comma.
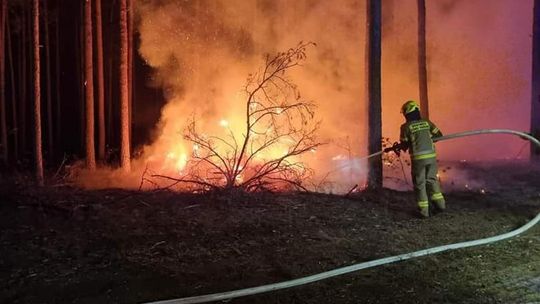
{"points": [[479, 58], [479, 70], [202, 52]]}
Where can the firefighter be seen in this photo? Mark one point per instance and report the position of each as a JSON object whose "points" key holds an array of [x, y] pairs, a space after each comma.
{"points": [[416, 136]]}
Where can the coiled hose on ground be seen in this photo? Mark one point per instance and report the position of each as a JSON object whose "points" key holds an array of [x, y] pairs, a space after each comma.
{"points": [[373, 263]]}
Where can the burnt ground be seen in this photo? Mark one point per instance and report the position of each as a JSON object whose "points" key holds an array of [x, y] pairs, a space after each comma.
{"points": [[68, 245]]}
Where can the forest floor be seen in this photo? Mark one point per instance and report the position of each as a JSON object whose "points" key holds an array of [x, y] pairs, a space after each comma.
{"points": [[69, 245]]}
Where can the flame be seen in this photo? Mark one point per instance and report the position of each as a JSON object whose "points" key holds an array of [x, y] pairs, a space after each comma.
{"points": [[202, 51], [224, 123], [176, 160]]}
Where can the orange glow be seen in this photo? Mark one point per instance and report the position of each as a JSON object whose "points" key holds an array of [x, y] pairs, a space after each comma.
{"points": [[224, 123], [202, 52]]}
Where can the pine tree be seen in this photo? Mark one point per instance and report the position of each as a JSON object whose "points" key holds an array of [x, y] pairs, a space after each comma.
{"points": [[38, 156], [100, 81], [48, 76], [3, 103], [14, 105], [130, 8], [124, 89], [24, 75], [58, 112], [422, 63], [374, 10], [89, 86]]}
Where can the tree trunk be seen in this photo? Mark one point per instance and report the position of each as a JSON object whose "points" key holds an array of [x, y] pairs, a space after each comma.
{"points": [[100, 82], [81, 79], [110, 82], [89, 86], [58, 113], [3, 103], [38, 157], [124, 89], [374, 92], [130, 68], [535, 97], [23, 80], [13, 93], [422, 64], [50, 142], [111, 62]]}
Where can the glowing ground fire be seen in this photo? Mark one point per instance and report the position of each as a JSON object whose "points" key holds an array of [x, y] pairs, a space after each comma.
{"points": [[262, 149]]}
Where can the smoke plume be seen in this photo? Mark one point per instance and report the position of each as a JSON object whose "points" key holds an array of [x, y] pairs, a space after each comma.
{"points": [[202, 52], [478, 71]]}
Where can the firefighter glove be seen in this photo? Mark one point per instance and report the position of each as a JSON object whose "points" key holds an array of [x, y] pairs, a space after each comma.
{"points": [[396, 147]]}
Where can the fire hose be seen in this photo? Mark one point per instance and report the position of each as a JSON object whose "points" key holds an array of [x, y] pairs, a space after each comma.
{"points": [[378, 262]]}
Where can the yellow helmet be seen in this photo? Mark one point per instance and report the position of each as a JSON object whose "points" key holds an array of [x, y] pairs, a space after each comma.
{"points": [[409, 106]]}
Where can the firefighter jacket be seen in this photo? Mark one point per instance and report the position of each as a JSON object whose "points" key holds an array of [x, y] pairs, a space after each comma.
{"points": [[417, 136]]}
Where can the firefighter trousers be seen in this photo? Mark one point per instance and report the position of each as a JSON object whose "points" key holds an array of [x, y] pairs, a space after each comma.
{"points": [[424, 176]]}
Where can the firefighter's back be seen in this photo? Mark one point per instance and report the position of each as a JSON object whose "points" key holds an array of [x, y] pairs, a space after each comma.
{"points": [[418, 133]]}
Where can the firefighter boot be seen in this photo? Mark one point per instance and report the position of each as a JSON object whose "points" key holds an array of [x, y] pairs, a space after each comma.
{"points": [[438, 201], [440, 205], [424, 212], [424, 208]]}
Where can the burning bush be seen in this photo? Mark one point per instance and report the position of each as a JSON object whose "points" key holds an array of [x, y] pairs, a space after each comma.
{"points": [[266, 154]]}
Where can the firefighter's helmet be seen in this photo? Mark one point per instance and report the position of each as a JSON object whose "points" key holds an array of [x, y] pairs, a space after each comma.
{"points": [[409, 107]]}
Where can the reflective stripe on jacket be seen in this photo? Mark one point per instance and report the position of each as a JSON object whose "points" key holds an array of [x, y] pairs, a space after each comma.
{"points": [[418, 134]]}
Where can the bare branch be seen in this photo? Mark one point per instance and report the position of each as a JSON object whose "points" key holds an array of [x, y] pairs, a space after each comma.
{"points": [[277, 119]]}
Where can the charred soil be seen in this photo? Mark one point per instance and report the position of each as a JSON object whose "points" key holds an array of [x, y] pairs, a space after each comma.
{"points": [[68, 245]]}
